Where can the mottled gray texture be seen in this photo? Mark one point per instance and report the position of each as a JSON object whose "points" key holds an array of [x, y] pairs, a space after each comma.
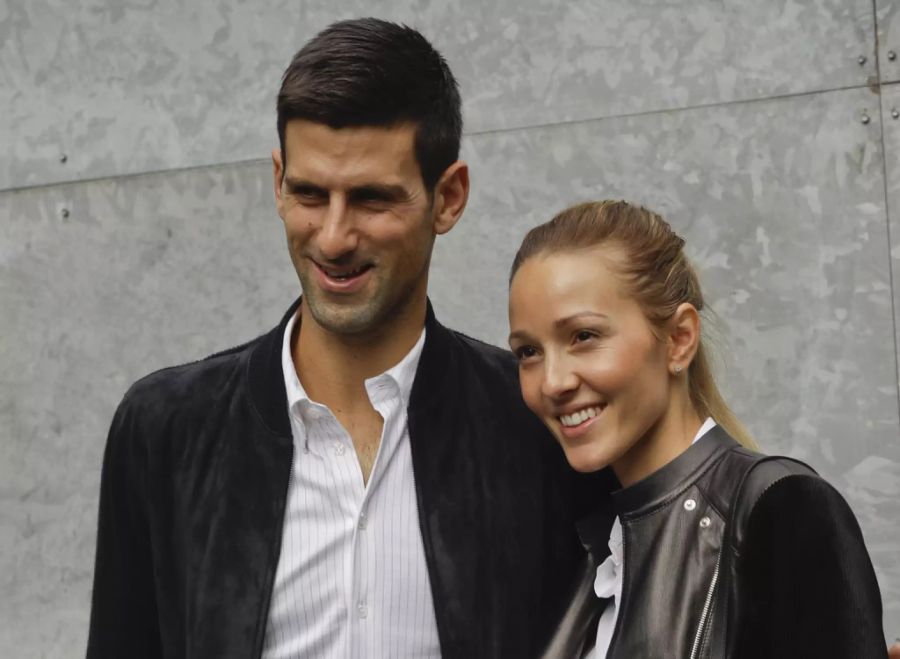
{"points": [[890, 99], [145, 272], [782, 205], [782, 202], [133, 87], [888, 13]]}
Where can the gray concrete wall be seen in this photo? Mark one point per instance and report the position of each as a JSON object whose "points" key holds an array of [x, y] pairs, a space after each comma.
{"points": [[138, 227]]}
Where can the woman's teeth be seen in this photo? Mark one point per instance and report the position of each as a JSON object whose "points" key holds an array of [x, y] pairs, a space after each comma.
{"points": [[579, 417]]}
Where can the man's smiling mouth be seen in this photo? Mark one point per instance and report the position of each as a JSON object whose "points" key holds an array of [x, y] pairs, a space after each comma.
{"points": [[343, 274]]}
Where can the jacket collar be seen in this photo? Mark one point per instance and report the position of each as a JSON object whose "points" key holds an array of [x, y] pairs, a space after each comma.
{"points": [[654, 490], [266, 377], [431, 379], [594, 529], [664, 483]]}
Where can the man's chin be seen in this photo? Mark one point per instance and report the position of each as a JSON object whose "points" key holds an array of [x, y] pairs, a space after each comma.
{"points": [[343, 318]]}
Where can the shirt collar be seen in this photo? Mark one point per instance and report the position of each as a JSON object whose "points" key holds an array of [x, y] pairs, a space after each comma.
{"points": [[708, 425], [399, 377], [295, 392]]}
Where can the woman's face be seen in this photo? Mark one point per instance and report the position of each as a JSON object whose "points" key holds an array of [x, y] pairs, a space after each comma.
{"points": [[590, 365]]}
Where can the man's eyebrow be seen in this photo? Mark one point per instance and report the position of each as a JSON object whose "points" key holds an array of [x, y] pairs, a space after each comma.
{"points": [[385, 191], [381, 191], [301, 184]]}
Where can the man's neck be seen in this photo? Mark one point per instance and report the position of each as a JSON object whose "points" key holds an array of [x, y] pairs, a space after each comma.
{"points": [[333, 368]]}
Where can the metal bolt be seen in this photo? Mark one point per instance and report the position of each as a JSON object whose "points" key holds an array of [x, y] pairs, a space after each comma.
{"points": [[705, 522], [895, 113], [862, 59], [63, 158], [891, 55], [690, 504], [865, 119], [65, 213]]}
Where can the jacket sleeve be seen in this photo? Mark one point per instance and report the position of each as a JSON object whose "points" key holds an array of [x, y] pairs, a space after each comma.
{"points": [[124, 621], [809, 589]]}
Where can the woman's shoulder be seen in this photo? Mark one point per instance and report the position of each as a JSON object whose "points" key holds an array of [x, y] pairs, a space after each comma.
{"points": [[780, 493], [805, 580]]}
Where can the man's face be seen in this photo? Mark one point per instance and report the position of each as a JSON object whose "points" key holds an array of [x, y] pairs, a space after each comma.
{"points": [[359, 222]]}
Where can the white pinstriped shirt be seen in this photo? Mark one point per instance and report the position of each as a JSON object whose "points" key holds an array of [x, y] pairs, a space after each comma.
{"points": [[351, 580]]}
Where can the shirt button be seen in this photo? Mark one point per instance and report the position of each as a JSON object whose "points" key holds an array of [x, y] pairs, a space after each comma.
{"points": [[362, 609], [705, 522], [339, 448], [363, 522], [690, 504]]}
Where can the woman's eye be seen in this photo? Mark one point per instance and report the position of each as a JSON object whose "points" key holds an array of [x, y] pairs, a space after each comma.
{"points": [[524, 352], [584, 335]]}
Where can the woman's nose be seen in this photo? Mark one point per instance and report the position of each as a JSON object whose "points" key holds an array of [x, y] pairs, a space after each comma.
{"points": [[558, 379]]}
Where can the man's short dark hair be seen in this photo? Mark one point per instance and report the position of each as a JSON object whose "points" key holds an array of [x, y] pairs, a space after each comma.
{"points": [[370, 72]]}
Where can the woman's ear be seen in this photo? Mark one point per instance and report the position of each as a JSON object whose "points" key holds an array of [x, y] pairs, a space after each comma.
{"points": [[450, 196], [683, 337]]}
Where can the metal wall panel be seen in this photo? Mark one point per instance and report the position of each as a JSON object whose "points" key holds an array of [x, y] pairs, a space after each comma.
{"points": [[890, 97], [114, 88], [888, 19], [142, 273]]}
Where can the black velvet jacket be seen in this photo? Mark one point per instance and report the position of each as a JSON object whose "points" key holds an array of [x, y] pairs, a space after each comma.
{"points": [[782, 574], [195, 478]]}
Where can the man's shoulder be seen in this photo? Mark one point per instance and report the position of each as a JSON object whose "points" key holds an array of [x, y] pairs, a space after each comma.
{"points": [[196, 383], [482, 352]]}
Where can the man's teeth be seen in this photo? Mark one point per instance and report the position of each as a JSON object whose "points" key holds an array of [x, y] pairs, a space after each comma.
{"points": [[343, 275], [579, 417]]}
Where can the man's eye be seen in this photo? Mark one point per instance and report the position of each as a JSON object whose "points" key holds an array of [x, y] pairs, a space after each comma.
{"points": [[307, 194], [371, 199]]}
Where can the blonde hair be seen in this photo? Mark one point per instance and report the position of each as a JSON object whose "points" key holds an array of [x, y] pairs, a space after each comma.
{"points": [[659, 275]]}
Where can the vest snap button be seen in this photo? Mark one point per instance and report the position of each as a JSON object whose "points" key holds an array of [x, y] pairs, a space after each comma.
{"points": [[690, 504]]}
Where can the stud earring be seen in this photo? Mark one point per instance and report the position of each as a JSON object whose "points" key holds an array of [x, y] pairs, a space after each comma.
{"points": [[677, 370]]}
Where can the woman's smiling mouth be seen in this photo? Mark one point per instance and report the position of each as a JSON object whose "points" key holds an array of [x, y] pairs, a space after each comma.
{"points": [[575, 423]]}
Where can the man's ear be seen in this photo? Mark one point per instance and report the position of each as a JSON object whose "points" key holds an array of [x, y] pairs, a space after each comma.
{"points": [[683, 337], [450, 196], [277, 178]]}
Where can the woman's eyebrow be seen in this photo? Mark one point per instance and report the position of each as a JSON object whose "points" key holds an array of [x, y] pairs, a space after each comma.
{"points": [[519, 335], [568, 320]]}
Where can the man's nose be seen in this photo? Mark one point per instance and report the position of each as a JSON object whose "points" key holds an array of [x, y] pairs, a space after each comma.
{"points": [[337, 235], [559, 379]]}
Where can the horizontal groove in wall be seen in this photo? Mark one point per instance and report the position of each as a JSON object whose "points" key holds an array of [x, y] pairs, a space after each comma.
{"points": [[498, 131]]}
